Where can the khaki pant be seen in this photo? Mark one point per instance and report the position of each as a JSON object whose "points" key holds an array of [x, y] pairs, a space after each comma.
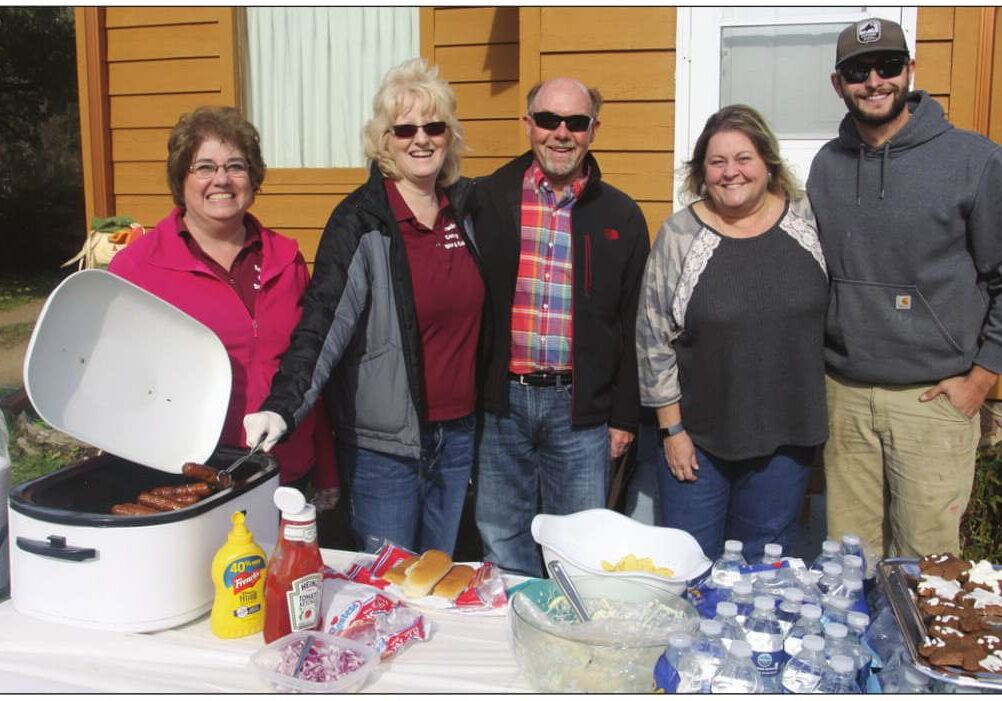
{"points": [[899, 471]]}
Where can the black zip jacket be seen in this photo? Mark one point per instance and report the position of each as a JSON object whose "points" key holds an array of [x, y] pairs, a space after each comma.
{"points": [[610, 245], [359, 328]]}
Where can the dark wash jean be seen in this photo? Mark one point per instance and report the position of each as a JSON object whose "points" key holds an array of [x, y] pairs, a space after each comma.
{"points": [[755, 501], [414, 503], [534, 452]]}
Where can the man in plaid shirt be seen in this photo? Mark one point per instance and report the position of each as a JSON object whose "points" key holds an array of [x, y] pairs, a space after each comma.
{"points": [[563, 256]]}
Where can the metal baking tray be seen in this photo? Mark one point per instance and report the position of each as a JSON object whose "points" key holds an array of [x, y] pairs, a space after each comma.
{"points": [[891, 574]]}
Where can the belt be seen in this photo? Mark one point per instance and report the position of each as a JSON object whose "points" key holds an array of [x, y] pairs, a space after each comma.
{"points": [[542, 379]]}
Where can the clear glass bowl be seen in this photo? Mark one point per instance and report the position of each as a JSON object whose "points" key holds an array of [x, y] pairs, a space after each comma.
{"points": [[614, 652]]}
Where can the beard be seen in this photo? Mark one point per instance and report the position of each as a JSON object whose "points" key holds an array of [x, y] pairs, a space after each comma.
{"points": [[875, 120]]}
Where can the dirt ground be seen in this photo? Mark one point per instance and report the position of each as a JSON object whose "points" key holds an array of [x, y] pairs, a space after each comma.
{"points": [[12, 357]]}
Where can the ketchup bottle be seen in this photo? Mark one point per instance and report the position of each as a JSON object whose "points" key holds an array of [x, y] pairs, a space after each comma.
{"points": [[294, 581]]}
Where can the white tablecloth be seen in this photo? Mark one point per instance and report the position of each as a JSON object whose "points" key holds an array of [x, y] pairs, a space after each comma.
{"points": [[466, 654]]}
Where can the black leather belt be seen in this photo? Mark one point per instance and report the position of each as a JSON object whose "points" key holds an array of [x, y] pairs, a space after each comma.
{"points": [[542, 379]]}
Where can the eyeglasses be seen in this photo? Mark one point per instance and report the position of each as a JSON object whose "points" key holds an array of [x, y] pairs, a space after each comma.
{"points": [[407, 131], [859, 71], [551, 121], [205, 170]]}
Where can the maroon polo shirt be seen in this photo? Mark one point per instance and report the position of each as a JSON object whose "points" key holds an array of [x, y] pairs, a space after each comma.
{"points": [[244, 276], [448, 298]]}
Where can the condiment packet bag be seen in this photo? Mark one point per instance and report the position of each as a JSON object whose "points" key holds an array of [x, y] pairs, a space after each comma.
{"points": [[364, 613]]}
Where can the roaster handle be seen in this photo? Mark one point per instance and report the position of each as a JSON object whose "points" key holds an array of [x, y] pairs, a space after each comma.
{"points": [[56, 547]]}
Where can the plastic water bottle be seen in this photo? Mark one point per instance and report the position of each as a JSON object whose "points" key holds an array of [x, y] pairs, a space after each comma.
{"points": [[763, 633], [727, 570], [837, 642], [831, 551], [857, 625], [853, 545], [911, 681], [709, 652], [677, 671], [737, 673], [852, 567], [809, 623], [851, 588], [730, 629], [767, 584], [772, 553], [831, 577], [803, 673], [744, 598], [836, 610], [789, 608], [839, 677]]}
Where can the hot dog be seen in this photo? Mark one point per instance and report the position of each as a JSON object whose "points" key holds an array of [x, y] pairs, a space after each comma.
{"points": [[206, 474], [200, 489], [160, 503], [131, 509]]}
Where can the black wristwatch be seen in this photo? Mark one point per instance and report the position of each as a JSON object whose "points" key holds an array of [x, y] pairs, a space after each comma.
{"points": [[667, 432]]}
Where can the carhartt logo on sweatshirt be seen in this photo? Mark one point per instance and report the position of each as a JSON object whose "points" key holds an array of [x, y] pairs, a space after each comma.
{"points": [[903, 302]]}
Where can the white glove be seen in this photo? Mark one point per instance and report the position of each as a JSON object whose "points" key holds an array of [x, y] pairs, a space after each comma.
{"points": [[264, 427], [326, 499]]}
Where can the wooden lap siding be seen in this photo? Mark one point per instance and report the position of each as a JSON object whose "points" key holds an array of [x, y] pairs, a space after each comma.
{"points": [[163, 61]]}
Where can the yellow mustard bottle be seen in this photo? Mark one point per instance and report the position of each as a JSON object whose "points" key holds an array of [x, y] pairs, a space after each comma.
{"points": [[238, 573]]}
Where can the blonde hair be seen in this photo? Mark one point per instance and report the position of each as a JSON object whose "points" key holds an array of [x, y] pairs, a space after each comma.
{"points": [[413, 83], [748, 121]]}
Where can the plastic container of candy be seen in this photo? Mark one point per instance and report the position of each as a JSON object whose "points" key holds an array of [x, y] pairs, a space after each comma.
{"points": [[315, 662]]}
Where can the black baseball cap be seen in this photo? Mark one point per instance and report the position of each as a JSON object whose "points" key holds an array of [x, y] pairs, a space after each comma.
{"points": [[870, 36]]}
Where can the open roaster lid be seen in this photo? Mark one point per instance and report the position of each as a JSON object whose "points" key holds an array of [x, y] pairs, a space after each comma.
{"points": [[119, 368]]}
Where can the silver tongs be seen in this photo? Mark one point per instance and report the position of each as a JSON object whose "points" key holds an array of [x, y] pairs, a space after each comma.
{"points": [[241, 460]]}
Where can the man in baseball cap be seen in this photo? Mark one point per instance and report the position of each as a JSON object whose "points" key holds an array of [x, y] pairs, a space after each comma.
{"points": [[910, 219]]}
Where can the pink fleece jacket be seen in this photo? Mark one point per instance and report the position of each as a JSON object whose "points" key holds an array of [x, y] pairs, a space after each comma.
{"points": [[161, 263]]}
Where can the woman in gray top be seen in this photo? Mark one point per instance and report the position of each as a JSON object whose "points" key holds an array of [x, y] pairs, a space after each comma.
{"points": [[730, 341]]}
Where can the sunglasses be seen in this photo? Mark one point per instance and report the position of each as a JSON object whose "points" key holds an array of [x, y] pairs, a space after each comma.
{"points": [[858, 71], [551, 121], [407, 131]]}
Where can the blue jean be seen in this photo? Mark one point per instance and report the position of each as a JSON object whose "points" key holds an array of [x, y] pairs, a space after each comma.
{"points": [[414, 503], [534, 452], [755, 501]]}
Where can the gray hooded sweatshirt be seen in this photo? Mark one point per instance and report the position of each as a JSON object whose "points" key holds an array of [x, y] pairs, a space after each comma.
{"points": [[912, 234]]}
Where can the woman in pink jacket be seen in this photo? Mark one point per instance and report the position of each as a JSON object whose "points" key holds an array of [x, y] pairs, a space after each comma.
{"points": [[214, 261]]}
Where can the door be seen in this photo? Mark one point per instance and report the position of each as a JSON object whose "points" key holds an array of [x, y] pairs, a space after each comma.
{"points": [[776, 59]]}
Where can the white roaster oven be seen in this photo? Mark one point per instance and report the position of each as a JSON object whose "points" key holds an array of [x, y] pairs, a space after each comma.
{"points": [[116, 367]]}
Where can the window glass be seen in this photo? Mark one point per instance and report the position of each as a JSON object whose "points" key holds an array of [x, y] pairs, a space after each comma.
{"points": [[312, 73], [782, 71]]}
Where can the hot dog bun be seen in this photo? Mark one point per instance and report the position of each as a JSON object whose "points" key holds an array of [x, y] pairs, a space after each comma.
{"points": [[425, 573], [397, 573], [454, 583]]}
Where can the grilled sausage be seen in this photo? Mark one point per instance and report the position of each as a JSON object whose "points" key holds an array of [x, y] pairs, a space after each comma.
{"points": [[206, 474], [159, 503], [130, 509], [200, 489]]}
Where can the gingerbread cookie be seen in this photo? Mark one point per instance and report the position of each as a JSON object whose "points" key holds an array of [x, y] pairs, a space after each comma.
{"points": [[983, 576], [945, 565], [992, 663], [931, 585], [983, 601], [934, 606]]}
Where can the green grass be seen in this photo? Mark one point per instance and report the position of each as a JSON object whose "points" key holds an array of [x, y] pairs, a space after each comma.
{"points": [[16, 290], [12, 334], [42, 460]]}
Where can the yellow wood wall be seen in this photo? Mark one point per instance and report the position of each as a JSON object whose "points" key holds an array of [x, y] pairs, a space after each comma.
{"points": [[163, 61]]}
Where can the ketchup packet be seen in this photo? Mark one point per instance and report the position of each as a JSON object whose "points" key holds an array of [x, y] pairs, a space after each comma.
{"points": [[390, 632], [486, 589]]}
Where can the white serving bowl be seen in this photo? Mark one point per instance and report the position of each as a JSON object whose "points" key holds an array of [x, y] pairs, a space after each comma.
{"points": [[582, 540]]}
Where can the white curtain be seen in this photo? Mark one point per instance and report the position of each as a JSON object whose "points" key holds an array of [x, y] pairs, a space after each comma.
{"points": [[313, 72]]}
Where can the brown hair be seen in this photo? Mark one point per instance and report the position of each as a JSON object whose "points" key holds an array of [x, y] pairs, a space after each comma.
{"points": [[593, 93], [410, 83], [748, 121], [223, 123]]}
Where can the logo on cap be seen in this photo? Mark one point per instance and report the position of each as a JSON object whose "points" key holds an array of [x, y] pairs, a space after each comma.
{"points": [[868, 31]]}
